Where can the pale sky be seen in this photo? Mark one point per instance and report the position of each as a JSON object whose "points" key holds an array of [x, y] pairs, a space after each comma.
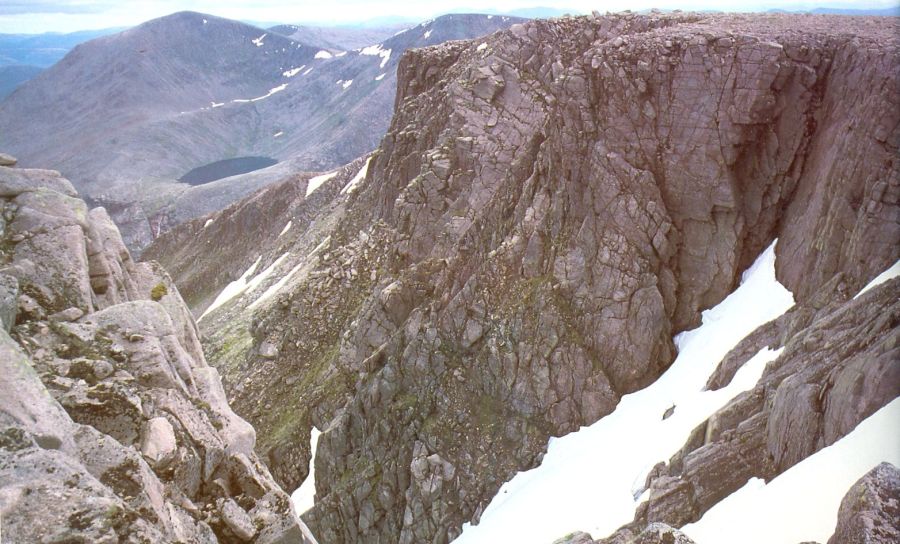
{"points": [[32, 16]]}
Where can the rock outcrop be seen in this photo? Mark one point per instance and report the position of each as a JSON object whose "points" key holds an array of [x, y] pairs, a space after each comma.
{"points": [[549, 207], [113, 427], [870, 512]]}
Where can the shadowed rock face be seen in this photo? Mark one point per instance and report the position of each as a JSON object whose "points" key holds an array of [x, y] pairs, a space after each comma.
{"points": [[548, 208], [113, 428]]}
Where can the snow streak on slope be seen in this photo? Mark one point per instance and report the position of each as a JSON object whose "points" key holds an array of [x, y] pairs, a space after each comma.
{"points": [[303, 498], [888, 274], [244, 284], [316, 182], [802, 503], [589, 478], [233, 289], [361, 175], [277, 286]]}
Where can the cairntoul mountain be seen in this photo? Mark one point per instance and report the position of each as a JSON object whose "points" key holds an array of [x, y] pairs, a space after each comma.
{"points": [[671, 240], [126, 116], [339, 38]]}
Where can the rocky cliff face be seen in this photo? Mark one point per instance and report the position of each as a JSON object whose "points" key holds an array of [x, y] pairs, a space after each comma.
{"points": [[549, 207], [113, 428]]}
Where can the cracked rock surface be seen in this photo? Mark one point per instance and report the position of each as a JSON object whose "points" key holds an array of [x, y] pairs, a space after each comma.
{"points": [[545, 213], [113, 427]]}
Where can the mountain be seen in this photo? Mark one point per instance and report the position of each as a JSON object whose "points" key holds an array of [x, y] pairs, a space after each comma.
{"points": [[15, 75], [339, 38], [43, 50], [126, 116], [565, 217], [861, 12], [113, 427]]}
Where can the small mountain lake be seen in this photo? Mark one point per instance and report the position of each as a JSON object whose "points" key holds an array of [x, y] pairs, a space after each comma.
{"points": [[225, 168]]}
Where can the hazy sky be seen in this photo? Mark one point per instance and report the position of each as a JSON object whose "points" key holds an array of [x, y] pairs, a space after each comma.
{"points": [[29, 16]]}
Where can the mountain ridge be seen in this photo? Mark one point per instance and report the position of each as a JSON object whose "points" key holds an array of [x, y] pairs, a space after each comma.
{"points": [[178, 93]]}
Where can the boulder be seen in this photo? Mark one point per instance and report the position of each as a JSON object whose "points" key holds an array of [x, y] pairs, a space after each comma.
{"points": [[158, 442], [7, 160], [237, 520], [870, 511]]}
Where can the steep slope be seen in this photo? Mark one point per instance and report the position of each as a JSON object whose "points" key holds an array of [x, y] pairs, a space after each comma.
{"points": [[550, 206], [128, 115], [15, 75], [113, 428]]}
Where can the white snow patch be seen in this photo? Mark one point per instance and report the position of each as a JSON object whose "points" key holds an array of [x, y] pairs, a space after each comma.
{"points": [[258, 42], [317, 181], [343, 83], [341, 54], [361, 175], [272, 91], [490, 17], [293, 71], [217, 104], [278, 134], [481, 47], [888, 274], [427, 34], [208, 223], [233, 289], [275, 287], [308, 70], [303, 498], [377, 50], [323, 55], [590, 479], [801, 504], [286, 228], [205, 21], [261, 277], [243, 284], [379, 78]]}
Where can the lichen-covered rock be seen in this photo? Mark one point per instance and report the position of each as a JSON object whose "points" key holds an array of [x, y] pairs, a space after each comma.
{"points": [[113, 428], [870, 511], [9, 294]]}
